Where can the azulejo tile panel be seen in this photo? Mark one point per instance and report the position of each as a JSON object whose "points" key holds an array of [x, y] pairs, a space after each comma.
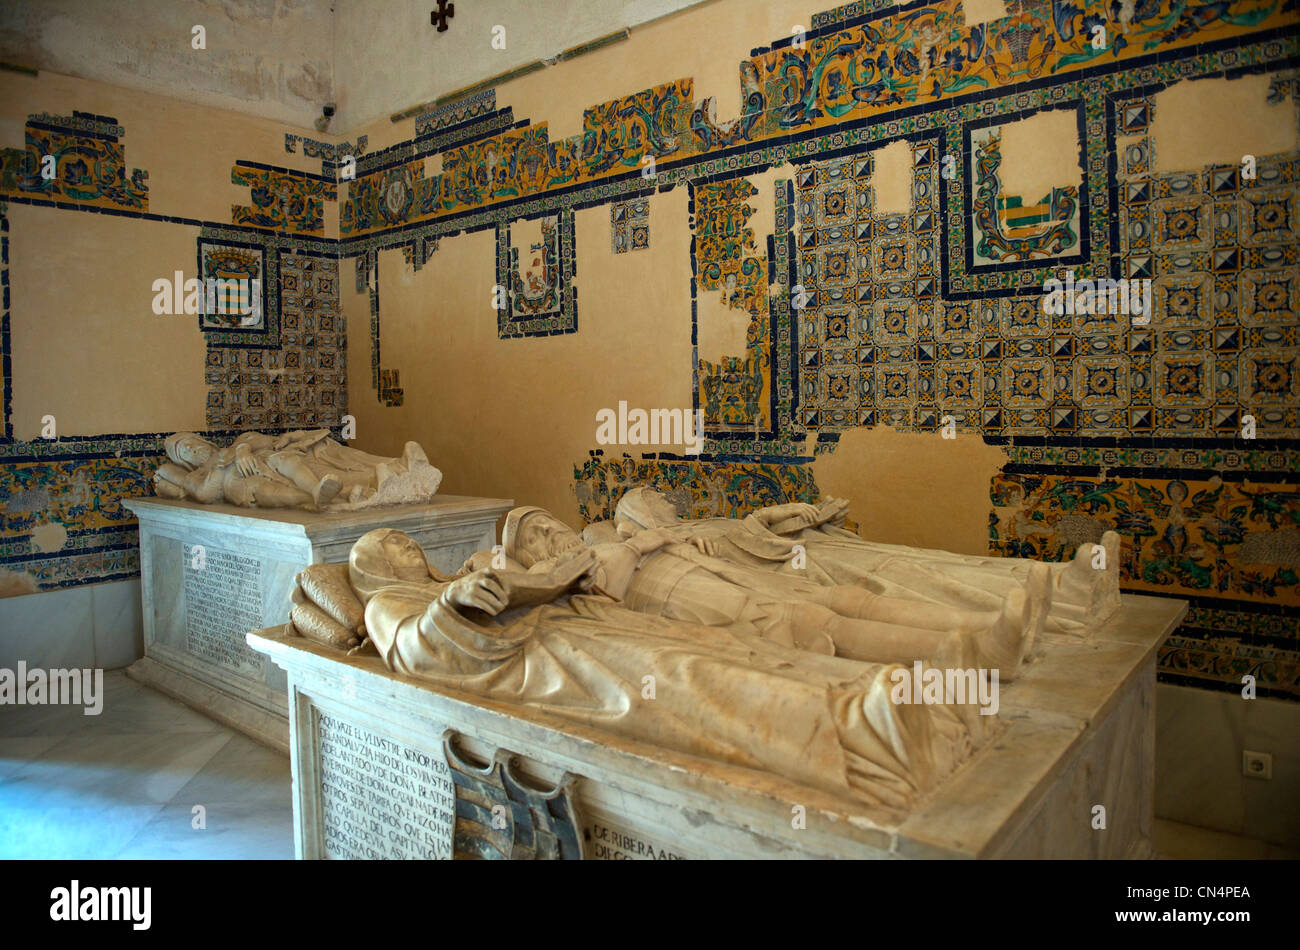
{"points": [[1221, 256], [872, 331], [244, 309], [456, 113], [699, 489], [1232, 547], [301, 381], [629, 225], [846, 71], [80, 494], [324, 150], [1219, 344], [385, 382], [282, 199], [67, 493], [6, 364], [1226, 539], [1009, 228], [536, 294], [78, 159], [735, 392], [1201, 659]]}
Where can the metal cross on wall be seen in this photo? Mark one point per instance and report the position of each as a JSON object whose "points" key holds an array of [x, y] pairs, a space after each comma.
{"points": [[440, 16]]}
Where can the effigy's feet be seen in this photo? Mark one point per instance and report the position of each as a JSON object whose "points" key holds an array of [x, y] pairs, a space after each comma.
{"points": [[1108, 593], [1003, 647], [1039, 587], [1090, 582], [326, 491], [412, 453]]}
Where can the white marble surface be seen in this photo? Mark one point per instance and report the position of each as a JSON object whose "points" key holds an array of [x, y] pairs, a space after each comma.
{"points": [[124, 784], [1078, 730], [1201, 735], [50, 630], [247, 788], [83, 627], [115, 614], [245, 690], [1179, 842]]}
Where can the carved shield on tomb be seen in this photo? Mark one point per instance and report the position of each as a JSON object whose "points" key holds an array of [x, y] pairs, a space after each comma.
{"points": [[502, 815]]}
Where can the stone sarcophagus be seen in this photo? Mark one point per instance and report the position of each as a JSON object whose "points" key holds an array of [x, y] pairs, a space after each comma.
{"points": [[385, 765], [210, 573]]}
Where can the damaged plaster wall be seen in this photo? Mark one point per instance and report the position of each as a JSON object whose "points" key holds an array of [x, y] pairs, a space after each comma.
{"points": [[387, 63], [267, 58], [1231, 115]]}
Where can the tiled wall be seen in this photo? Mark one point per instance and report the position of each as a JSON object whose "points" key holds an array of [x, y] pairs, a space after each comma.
{"points": [[862, 316], [61, 521], [859, 315]]}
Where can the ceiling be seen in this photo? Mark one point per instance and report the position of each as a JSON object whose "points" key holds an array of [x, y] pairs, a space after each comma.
{"points": [[284, 59]]}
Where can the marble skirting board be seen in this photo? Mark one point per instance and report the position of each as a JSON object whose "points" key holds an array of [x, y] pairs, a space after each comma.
{"points": [[211, 573], [384, 766]]}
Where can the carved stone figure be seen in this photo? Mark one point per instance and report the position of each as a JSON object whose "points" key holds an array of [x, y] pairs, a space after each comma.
{"points": [[806, 541], [657, 571], [548, 639], [302, 469]]}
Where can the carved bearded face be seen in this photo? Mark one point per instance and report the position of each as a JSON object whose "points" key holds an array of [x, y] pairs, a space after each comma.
{"points": [[541, 537]]}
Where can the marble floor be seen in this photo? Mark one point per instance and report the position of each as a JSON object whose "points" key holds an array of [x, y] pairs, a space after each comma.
{"points": [[125, 784]]}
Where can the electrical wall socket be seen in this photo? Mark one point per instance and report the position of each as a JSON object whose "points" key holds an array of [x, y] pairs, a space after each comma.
{"points": [[1256, 764]]}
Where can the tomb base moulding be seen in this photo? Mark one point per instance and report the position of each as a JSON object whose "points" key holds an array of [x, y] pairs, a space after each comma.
{"points": [[211, 573], [386, 766]]}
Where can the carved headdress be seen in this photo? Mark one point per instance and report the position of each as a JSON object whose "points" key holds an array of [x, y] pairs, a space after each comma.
{"points": [[514, 521], [172, 447], [371, 565], [637, 506]]}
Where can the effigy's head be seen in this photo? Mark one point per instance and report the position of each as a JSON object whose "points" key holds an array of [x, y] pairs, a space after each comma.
{"points": [[646, 508], [384, 557], [534, 534], [188, 449]]}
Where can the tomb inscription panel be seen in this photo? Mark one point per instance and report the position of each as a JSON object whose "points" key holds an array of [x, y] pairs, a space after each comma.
{"points": [[223, 601], [381, 798], [608, 841]]}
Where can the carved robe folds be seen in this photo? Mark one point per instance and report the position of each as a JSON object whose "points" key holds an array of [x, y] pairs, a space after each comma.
{"points": [[821, 721]]}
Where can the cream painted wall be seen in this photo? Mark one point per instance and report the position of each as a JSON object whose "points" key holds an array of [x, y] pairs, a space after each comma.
{"points": [[914, 488], [510, 418], [706, 42], [87, 346], [1229, 118]]}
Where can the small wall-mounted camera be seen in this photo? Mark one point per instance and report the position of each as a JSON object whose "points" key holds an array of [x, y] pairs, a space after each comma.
{"points": [[327, 113]]}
